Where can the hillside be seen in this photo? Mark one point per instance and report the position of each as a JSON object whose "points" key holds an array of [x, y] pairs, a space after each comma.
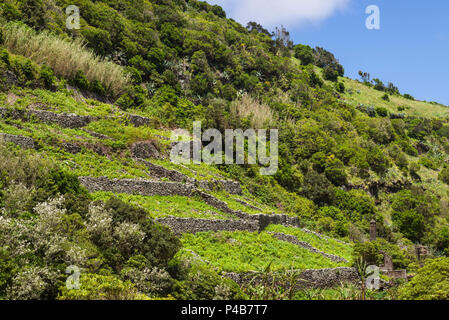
{"points": [[86, 177]]}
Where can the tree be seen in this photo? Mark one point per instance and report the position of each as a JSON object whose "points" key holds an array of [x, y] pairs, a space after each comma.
{"points": [[413, 212], [324, 58], [304, 53], [365, 76], [257, 27], [330, 74]]}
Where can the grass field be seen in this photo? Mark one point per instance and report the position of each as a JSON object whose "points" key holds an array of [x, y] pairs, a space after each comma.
{"points": [[246, 251], [361, 94], [327, 245], [163, 206]]}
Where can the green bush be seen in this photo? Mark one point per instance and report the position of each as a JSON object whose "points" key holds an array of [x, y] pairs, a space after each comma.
{"points": [[430, 283], [444, 175], [355, 204], [304, 53], [101, 287], [335, 171], [203, 283], [7, 271], [429, 163], [413, 211], [340, 87], [382, 112], [4, 56], [80, 80], [135, 97], [330, 74], [442, 243], [47, 76]]}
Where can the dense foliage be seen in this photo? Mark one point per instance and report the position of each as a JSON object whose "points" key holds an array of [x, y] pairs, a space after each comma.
{"points": [[342, 163]]}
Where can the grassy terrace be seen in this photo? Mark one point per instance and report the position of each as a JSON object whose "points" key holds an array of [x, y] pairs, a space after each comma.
{"points": [[84, 163], [327, 245], [235, 205], [369, 96], [246, 251], [163, 206], [57, 102]]}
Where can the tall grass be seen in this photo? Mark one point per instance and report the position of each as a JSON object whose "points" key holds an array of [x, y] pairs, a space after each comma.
{"points": [[65, 57], [247, 107]]}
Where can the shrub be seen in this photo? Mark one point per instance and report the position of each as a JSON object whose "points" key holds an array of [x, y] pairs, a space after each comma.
{"points": [[369, 251], [10, 11], [134, 97], [201, 83], [7, 271], [340, 87], [443, 241], [32, 283], [99, 40], [80, 80], [382, 112], [317, 188], [100, 287], [377, 160], [340, 227], [47, 76], [430, 283], [444, 175], [413, 211], [429, 163], [355, 204], [159, 245], [4, 56], [203, 283], [386, 97], [335, 171], [96, 87], [171, 36]]}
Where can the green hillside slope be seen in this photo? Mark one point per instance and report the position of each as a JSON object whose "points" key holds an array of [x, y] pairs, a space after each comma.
{"points": [[86, 178]]}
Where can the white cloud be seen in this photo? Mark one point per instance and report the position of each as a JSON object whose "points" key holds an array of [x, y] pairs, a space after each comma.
{"points": [[270, 13]]}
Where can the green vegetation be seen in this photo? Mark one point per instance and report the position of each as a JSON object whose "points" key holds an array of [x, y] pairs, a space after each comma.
{"points": [[68, 59], [160, 206], [245, 251], [430, 283], [350, 151], [325, 244]]}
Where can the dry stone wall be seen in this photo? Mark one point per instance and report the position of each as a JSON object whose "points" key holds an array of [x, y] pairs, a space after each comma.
{"points": [[141, 187], [190, 225], [230, 186], [64, 120], [162, 188], [24, 142]]}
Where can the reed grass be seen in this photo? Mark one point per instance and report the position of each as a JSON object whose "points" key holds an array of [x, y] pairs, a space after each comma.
{"points": [[64, 56]]}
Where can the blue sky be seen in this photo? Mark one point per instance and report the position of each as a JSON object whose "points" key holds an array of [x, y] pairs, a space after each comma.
{"points": [[411, 49]]}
